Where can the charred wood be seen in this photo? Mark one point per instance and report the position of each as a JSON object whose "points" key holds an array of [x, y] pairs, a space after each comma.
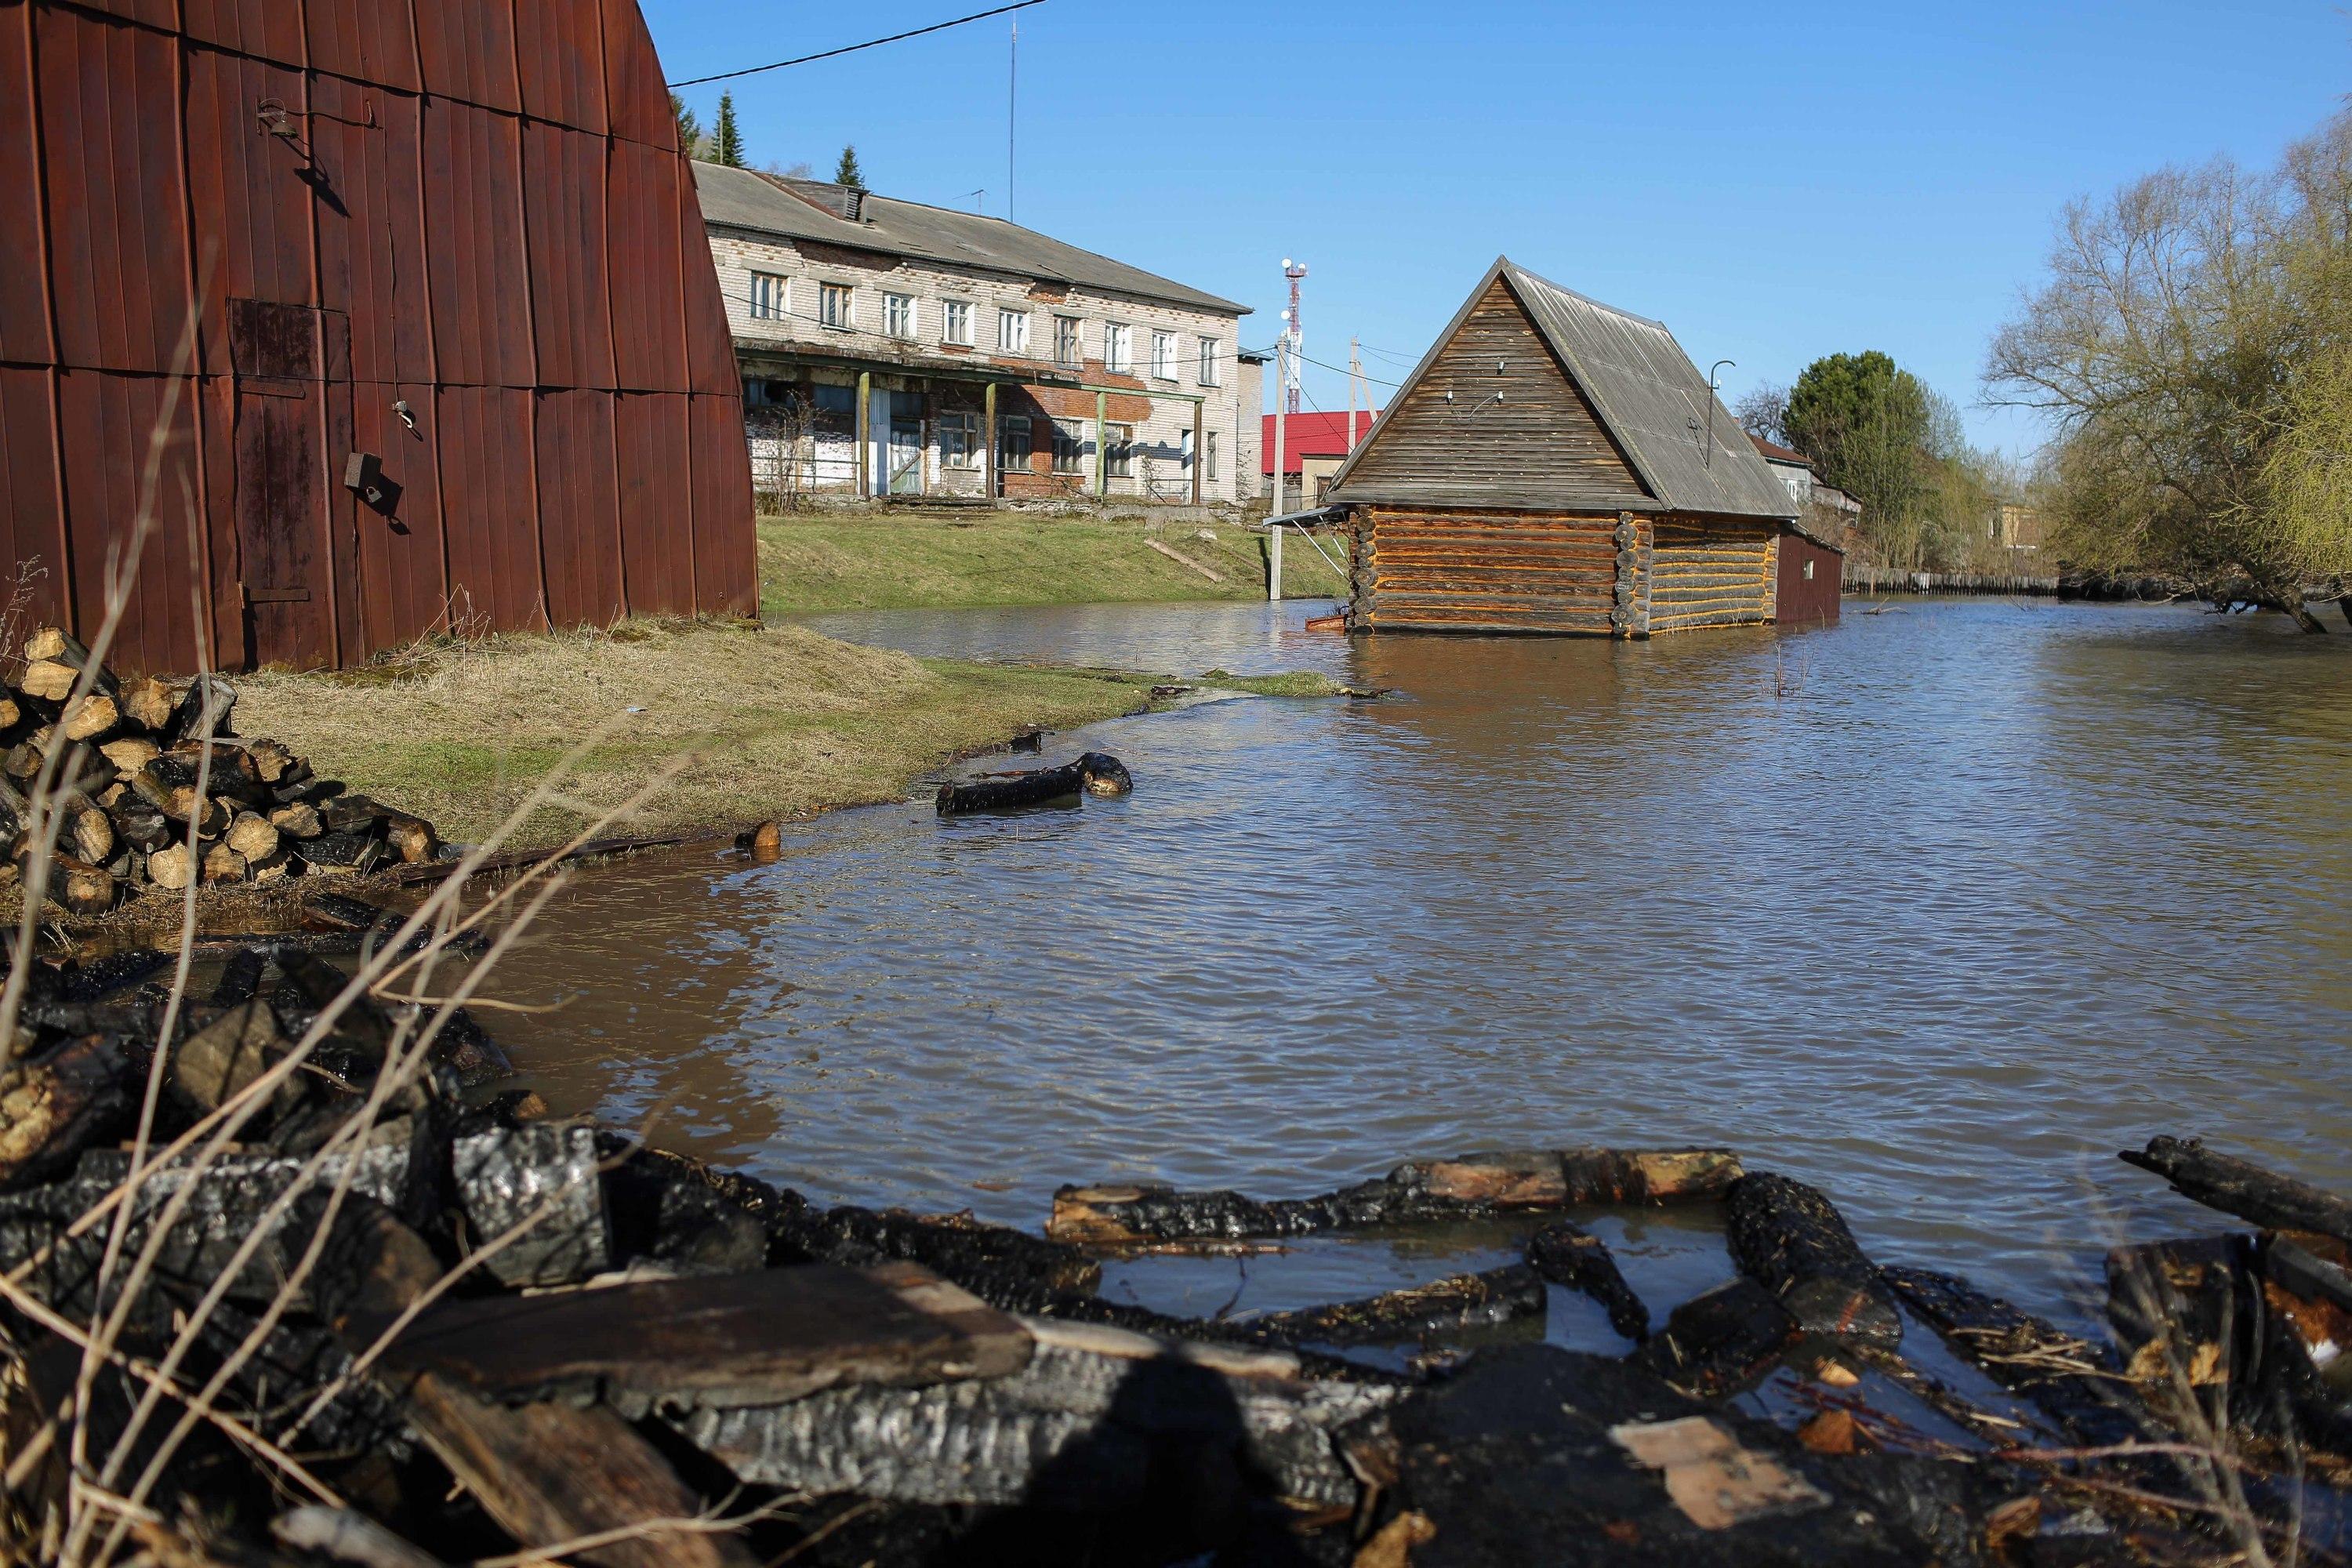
{"points": [[1462, 1301], [1721, 1341], [2076, 1384], [1791, 1239], [1564, 1253], [2243, 1188]]}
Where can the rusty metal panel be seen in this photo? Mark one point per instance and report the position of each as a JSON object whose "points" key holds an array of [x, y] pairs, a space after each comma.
{"points": [[155, 12], [248, 192], [1803, 600], [108, 95], [637, 96], [267, 29], [560, 44], [579, 512], [474, 246], [24, 275], [399, 540], [367, 40], [467, 50], [711, 360], [111, 423], [488, 508], [647, 272], [726, 548], [654, 470], [372, 225], [31, 521], [571, 302]]}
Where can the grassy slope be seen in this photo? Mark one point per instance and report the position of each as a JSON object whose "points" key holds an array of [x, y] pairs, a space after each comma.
{"points": [[859, 562], [782, 723]]}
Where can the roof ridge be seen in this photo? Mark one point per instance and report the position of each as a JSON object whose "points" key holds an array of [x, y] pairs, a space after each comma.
{"points": [[1587, 298]]}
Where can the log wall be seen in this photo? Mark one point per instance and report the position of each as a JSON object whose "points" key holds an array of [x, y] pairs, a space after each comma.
{"points": [[1711, 573], [1485, 570]]}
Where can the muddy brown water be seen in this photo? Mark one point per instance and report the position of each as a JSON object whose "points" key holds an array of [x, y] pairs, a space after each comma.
{"points": [[1937, 907]]}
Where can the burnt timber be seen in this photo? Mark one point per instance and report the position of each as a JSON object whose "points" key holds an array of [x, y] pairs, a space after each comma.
{"points": [[1557, 466]]}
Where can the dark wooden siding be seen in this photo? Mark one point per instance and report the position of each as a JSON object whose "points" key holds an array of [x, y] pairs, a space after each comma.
{"points": [[1710, 572], [487, 194], [1808, 601], [1434, 570], [1541, 436]]}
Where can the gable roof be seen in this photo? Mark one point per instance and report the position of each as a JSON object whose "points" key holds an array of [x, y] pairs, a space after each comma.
{"points": [[811, 209], [1649, 396], [1773, 452]]}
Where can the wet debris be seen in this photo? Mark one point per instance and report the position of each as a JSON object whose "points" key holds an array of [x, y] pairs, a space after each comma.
{"points": [[1565, 1253], [1791, 1239], [1504, 1295], [1094, 773], [143, 764]]}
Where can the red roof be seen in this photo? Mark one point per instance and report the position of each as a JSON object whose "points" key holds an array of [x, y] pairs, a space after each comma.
{"points": [[1774, 452], [1311, 436]]}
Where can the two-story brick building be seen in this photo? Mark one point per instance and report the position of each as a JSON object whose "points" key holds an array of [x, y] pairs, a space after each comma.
{"points": [[893, 349]]}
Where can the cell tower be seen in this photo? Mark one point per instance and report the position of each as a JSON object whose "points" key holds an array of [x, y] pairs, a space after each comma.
{"points": [[1294, 271]]}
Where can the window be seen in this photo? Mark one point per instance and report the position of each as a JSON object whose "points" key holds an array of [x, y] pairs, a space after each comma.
{"points": [[1067, 351], [955, 321], [898, 315], [1118, 347], [836, 402], [769, 297], [1013, 331], [1163, 356], [1209, 457], [1069, 446], [1119, 450], [959, 440], [1013, 441], [833, 305], [1809, 571], [1212, 363]]}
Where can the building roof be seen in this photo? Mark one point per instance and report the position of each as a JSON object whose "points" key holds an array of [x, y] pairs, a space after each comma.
{"points": [[1648, 394], [1311, 436], [1773, 452], [770, 205]]}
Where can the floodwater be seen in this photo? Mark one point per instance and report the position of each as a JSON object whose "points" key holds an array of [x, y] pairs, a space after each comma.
{"points": [[1937, 908]]}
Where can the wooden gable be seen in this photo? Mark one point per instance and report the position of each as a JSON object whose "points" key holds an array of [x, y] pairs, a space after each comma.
{"points": [[1524, 431]]}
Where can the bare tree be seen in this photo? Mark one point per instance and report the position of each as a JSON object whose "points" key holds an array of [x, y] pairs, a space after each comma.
{"points": [[1763, 412]]}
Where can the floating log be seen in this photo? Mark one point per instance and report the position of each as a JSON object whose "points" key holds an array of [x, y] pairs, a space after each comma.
{"points": [[1095, 1420], [1565, 1253], [1041, 787], [763, 1337], [1462, 1301], [2243, 1188], [1791, 1239], [1473, 1186]]}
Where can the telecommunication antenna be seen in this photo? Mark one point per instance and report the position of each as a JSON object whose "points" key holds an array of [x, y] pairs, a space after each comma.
{"points": [[1291, 334]]}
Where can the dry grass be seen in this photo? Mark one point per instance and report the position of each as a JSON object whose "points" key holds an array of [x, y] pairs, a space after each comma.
{"points": [[783, 722]]}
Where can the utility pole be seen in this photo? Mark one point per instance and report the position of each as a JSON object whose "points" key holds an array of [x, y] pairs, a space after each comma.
{"points": [[1281, 423], [1355, 370]]}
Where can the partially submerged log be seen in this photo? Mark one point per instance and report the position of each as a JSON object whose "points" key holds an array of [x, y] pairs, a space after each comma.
{"points": [[2243, 1188], [1791, 1239], [2076, 1384], [1096, 1419], [1095, 772], [1565, 1253], [1722, 1341], [1473, 1186], [1459, 1302]]}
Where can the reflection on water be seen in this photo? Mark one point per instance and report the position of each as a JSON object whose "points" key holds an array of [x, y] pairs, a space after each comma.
{"points": [[1993, 891]]}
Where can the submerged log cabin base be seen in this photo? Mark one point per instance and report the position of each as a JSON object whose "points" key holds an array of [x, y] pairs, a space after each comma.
{"points": [[859, 1388]]}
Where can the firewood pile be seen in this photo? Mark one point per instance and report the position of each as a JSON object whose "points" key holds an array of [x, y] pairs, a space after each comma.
{"points": [[431, 1329], [133, 777]]}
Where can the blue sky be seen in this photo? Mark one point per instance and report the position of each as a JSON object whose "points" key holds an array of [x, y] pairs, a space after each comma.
{"points": [[1775, 183]]}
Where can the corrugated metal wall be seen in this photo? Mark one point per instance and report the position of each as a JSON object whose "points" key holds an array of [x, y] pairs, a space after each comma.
{"points": [[477, 209], [1811, 576]]}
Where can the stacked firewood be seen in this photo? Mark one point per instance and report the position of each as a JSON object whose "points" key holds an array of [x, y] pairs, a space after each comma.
{"points": [[132, 778]]}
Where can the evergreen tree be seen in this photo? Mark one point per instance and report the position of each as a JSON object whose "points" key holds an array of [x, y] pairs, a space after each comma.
{"points": [[689, 129], [727, 139], [848, 173]]}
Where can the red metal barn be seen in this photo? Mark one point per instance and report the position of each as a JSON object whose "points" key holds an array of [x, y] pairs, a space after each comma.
{"points": [[457, 354]]}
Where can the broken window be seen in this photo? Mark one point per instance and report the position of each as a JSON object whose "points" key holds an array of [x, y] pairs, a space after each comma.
{"points": [[955, 321], [1067, 351], [1163, 356], [769, 297], [1069, 446], [834, 306], [1119, 450], [836, 406], [1013, 331], [1013, 441], [1118, 347], [1211, 363], [898, 315], [959, 440]]}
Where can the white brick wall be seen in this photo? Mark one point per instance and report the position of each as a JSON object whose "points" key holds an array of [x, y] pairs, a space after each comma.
{"points": [[1162, 441]]}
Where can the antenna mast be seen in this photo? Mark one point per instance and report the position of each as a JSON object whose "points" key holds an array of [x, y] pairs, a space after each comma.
{"points": [[1294, 271]]}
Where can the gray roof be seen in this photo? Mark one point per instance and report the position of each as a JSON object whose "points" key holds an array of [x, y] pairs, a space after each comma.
{"points": [[744, 199], [1647, 391]]}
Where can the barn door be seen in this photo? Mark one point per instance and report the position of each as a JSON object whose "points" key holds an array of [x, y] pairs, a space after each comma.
{"points": [[283, 503]]}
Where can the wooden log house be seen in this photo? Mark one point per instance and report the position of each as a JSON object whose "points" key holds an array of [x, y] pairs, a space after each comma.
{"points": [[1553, 464]]}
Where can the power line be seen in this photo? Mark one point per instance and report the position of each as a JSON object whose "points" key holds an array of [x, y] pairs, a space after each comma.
{"points": [[853, 48], [1343, 370]]}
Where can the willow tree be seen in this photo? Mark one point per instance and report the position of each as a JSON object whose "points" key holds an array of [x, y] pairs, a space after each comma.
{"points": [[2186, 345]]}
